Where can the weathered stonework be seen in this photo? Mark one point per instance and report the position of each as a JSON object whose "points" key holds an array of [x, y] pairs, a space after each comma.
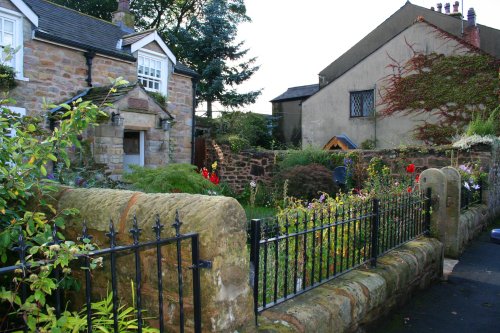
{"points": [[180, 105], [220, 222], [57, 73], [352, 302], [239, 169]]}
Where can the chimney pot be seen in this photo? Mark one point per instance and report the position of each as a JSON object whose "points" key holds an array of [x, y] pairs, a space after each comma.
{"points": [[471, 17], [440, 7], [432, 8], [447, 8], [455, 7], [123, 6]]}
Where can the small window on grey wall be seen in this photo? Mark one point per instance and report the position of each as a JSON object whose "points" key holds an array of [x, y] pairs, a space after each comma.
{"points": [[362, 103]]}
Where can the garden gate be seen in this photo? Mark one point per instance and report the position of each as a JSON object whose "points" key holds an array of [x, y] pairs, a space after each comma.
{"points": [[113, 253]]}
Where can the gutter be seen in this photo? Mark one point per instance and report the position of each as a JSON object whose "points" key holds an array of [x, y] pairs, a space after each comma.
{"points": [[41, 35]]}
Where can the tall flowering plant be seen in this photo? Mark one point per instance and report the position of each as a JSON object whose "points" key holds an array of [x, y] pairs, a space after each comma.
{"points": [[212, 176]]}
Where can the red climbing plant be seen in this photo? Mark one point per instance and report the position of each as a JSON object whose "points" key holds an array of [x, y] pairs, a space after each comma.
{"points": [[451, 89]]}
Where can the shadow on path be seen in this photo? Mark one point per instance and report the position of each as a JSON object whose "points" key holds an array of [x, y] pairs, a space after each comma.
{"points": [[468, 302]]}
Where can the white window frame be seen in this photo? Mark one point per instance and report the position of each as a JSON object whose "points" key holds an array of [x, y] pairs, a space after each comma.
{"points": [[163, 59], [18, 39]]}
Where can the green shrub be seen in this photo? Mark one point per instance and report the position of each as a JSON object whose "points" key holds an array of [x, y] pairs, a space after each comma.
{"points": [[307, 181], [483, 126], [249, 126], [7, 78], [172, 178], [236, 142], [310, 155]]}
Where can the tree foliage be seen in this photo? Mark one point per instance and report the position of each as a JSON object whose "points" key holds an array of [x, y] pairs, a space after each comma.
{"points": [[210, 47], [454, 89], [202, 34]]}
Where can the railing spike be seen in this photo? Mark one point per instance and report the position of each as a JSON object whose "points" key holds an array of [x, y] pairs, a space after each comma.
{"points": [[177, 224], [158, 227], [112, 233], [135, 231]]}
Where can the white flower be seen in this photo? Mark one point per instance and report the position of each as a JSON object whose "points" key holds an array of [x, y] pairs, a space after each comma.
{"points": [[467, 186], [253, 184]]}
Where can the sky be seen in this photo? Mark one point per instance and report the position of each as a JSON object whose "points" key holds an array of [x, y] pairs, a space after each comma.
{"points": [[294, 40]]}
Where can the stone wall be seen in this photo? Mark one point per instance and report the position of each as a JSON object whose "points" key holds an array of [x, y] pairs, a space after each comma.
{"points": [[353, 301], [180, 98], [239, 169], [220, 222], [57, 73]]}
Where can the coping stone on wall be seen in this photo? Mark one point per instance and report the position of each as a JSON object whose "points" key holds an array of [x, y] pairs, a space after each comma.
{"points": [[220, 222]]}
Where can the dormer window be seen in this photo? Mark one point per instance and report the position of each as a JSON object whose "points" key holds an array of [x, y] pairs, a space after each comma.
{"points": [[152, 71]]}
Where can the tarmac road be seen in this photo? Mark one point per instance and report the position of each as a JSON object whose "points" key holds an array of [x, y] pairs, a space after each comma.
{"points": [[468, 302]]}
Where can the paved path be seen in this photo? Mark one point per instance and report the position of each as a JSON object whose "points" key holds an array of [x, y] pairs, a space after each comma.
{"points": [[468, 302]]}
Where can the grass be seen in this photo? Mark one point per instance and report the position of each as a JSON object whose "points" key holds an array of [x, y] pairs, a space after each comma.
{"points": [[258, 212]]}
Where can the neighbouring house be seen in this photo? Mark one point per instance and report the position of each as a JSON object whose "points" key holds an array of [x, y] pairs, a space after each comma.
{"points": [[64, 54], [287, 112], [351, 86]]}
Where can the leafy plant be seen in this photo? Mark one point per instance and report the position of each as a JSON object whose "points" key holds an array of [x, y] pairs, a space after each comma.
{"points": [[310, 155], [172, 178], [243, 129], [484, 124], [25, 212], [306, 181]]}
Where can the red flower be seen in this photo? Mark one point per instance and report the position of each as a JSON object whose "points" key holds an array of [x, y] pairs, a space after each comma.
{"points": [[410, 168], [417, 178], [408, 189], [204, 173], [214, 179]]}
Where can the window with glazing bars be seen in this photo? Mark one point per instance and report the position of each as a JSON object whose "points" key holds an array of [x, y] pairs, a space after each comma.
{"points": [[362, 103], [149, 72]]}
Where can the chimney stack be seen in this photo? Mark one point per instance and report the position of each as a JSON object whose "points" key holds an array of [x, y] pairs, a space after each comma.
{"points": [[123, 17], [440, 7], [456, 13], [432, 8], [447, 8], [471, 32]]}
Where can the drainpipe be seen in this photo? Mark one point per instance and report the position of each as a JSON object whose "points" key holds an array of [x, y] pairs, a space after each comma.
{"points": [[194, 82], [89, 56]]}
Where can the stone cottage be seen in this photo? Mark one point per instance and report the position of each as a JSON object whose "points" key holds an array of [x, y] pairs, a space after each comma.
{"points": [[64, 55], [350, 87]]}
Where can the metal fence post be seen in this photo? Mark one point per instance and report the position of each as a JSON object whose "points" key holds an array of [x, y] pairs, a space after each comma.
{"points": [[428, 206], [255, 231], [374, 231]]}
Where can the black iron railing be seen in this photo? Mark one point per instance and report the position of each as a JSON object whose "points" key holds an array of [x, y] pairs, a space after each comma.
{"points": [[471, 195], [292, 254], [113, 252]]}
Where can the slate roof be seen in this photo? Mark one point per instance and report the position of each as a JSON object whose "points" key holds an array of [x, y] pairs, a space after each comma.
{"points": [[299, 92], [135, 37], [66, 26], [397, 23], [99, 95], [184, 69]]}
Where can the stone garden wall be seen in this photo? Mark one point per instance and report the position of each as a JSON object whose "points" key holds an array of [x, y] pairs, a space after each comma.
{"points": [[355, 300], [238, 169], [220, 221]]}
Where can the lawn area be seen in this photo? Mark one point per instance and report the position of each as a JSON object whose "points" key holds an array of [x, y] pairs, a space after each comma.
{"points": [[258, 212]]}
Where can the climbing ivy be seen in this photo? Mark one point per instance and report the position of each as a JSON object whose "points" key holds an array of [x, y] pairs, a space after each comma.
{"points": [[451, 88]]}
